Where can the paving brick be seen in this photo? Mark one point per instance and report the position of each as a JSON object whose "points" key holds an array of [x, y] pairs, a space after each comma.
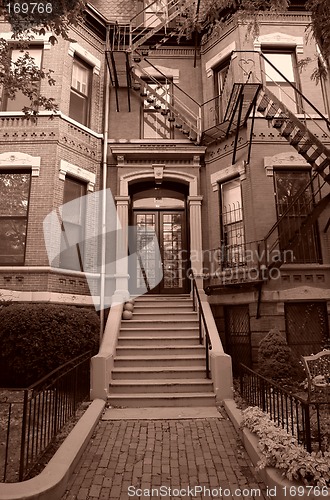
{"points": [[203, 452]]}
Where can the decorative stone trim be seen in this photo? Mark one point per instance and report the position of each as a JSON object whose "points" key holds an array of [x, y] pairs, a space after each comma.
{"points": [[84, 54], [20, 160], [158, 172], [225, 174], [148, 173], [288, 159], [280, 39], [44, 39], [75, 171], [171, 73], [216, 60]]}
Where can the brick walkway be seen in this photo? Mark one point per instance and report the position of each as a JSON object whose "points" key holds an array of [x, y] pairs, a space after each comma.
{"points": [[126, 456]]}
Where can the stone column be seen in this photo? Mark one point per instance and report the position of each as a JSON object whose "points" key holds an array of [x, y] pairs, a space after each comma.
{"points": [[196, 249], [122, 203]]}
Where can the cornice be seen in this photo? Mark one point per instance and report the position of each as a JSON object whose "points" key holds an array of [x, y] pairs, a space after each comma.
{"points": [[136, 153]]}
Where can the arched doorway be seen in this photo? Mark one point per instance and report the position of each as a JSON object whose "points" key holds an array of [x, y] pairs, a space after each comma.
{"points": [[160, 210]]}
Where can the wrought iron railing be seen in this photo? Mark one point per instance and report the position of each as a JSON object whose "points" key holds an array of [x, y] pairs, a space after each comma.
{"points": [[235, 263], [305, 420], [204, 336], [34, 416]]}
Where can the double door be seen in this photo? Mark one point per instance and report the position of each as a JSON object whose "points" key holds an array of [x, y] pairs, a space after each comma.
{"points": [[163, 261]]}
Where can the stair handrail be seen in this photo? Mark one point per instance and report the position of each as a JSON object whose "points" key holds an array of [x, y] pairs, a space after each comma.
{"points": [[202, 323], [141, 25], [191, 116], [173, 83], [295, 88]]}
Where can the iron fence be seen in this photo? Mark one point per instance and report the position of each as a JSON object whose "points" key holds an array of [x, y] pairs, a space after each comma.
{"points": [[31, 418], [307, 421]]}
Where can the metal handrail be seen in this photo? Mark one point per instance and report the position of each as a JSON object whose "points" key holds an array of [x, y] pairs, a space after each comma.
{"points": [[202, 323], [186, 109], [174, 84]]}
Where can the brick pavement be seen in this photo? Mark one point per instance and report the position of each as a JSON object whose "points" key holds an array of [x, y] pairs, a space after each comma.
{"points": [[145, 454]]}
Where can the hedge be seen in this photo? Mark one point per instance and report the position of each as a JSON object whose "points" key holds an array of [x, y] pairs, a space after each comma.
{"points": [[37, 338]]}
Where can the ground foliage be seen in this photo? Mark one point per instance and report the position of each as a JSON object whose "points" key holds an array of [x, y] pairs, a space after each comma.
{"points": [[38, 338]]}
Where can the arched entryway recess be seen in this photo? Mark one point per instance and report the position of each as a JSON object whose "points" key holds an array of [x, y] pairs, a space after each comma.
{"points": [[175, 218]]}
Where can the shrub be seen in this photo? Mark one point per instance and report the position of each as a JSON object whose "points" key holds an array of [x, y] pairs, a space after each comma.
{"points": [[282, 451], [276, 360], [37, 338]]}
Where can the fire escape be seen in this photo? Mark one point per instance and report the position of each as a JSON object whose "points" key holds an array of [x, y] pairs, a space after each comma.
{"points": [[129, 67], [245, 93]]}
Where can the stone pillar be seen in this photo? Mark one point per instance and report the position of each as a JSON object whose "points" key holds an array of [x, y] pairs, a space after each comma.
{"points": [[196, 249], [122, 203]]}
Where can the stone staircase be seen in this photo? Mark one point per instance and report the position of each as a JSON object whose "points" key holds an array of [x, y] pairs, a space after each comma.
{"points": [[159, 360]]}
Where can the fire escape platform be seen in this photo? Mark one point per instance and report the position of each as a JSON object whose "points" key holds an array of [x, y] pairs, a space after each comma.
{"points": [[239, 108]]}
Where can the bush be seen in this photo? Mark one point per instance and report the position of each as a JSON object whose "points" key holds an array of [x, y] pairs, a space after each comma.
{"points": [[37, 338], [276, 360]]}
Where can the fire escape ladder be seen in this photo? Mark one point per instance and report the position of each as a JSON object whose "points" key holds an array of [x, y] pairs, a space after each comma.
{"points": [[177, 106], [118, 60], [295, 132], [156, 15]]}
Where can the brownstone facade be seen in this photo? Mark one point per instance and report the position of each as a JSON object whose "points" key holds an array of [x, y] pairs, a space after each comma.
{"points": [[149, 149]]}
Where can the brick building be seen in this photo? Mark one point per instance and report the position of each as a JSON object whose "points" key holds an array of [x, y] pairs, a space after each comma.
{"points": [[220, 147]]}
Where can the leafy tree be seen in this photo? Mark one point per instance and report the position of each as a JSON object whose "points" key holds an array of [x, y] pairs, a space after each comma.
{"points": [[24, 75], [208, 15]]}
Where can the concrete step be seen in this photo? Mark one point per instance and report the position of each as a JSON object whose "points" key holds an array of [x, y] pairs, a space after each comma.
{"points": [[127, 331], [155, 322], [160, 386], [158, 372], [168, 314], [149, 340], [162, 297], [161, 350], [159, 360], [159, 308], [169, 399]]}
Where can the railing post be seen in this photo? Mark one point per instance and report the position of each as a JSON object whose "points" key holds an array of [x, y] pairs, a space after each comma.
{"points": [[23, 435], [308, 436], [207, 359]]}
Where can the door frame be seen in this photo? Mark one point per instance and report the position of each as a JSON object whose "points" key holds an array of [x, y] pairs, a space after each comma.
{"points": [[160, 288]]}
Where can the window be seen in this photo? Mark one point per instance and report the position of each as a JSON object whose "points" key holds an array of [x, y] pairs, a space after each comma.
{"points": [[285, 63], [307, 327], [22, 100], [80, 92], [222, 89], [73, 225], [325, 87], [303, 245], [156, 123], [14, 205], [232, 227]]}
